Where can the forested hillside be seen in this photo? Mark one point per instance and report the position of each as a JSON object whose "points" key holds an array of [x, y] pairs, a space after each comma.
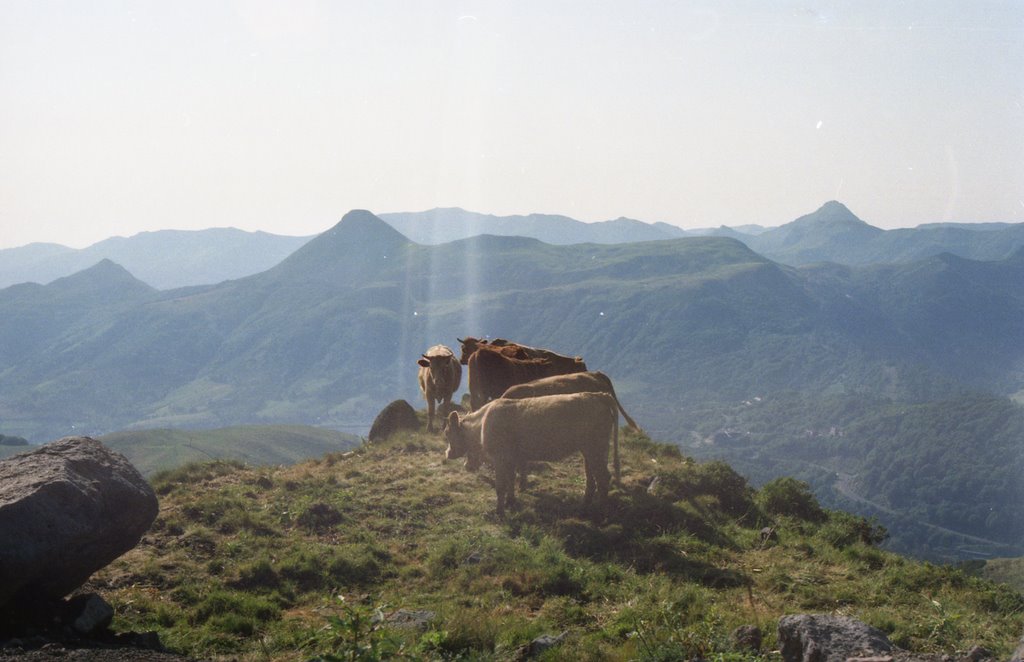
{"points": [[688, 328], [941, 476]]}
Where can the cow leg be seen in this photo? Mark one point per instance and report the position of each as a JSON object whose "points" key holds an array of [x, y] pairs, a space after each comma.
{"points": [[504, 485], [598, 478], [522, 477], [603, 478], [430, 414], [588, 468]]}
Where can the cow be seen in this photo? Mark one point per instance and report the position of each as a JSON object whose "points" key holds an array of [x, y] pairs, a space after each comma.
{"points": [[580, 382], [512, 350], [439, 375], [511, 433], [491, 373]]}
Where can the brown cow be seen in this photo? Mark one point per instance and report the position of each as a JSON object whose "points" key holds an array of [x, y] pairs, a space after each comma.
{"points": [[513, 432], [511, 349], [580, 382], [439, 376], [491, 373]]}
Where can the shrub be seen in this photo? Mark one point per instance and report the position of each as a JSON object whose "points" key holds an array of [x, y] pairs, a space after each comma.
{"points": [[790, 497], [715, 479], [319, 517], [843, 530]]}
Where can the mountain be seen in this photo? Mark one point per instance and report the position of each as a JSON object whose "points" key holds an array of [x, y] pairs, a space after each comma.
{"points": [[339, 322], [438, 226], [165, 259], [834, 234], [688, 328]]}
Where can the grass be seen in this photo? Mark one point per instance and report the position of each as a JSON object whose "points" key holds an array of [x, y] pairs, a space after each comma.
{"points": [[162, 449], [308, 562]]}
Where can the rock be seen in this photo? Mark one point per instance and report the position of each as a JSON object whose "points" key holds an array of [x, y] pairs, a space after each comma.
{"points": [[410, 619], [824, 638], [67, 510], [398, 415], [977, 654], [747, 638], [1018, 654], [539, 645], [88, 613]]}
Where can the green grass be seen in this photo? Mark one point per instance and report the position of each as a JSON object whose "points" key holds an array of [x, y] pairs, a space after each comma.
{"points": [[307, 561], [1005, 571], [156, 450]]}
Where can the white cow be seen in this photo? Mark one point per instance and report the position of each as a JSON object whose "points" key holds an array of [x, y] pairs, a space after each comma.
{"points": [[440, 375]]}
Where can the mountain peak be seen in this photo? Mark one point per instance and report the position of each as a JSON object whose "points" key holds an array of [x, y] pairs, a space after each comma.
{"points": [[357, 244], [832, 212], [106, 276]]}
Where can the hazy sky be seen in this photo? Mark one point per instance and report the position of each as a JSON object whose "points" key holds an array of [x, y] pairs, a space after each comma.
{"points": [[119, 117]]}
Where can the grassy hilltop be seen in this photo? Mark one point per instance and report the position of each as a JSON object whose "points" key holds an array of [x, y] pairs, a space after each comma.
{"points": [[296, 562]]}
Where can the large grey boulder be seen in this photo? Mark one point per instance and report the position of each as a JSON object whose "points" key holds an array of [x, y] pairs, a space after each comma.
{"points": [[67, 510], [826, 638]]}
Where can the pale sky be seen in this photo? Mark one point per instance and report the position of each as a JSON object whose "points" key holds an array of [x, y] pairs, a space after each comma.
{"points": [[121, 117]]}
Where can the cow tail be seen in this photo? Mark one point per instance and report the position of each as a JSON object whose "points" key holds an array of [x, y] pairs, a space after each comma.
{"points": [[473, 381], [629, 420], [615, 451], [611, 389]]}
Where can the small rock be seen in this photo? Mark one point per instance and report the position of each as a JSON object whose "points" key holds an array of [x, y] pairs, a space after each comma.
{"points": [[977, 654], [1018, 654], [747, 638], [540, 644], [410, 619], [826, 638], [397, 415], [89, 613]]}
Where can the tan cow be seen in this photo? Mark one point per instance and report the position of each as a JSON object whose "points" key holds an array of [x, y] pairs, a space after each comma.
{"points": [[580, 382], [511, 433], [440, 375]]}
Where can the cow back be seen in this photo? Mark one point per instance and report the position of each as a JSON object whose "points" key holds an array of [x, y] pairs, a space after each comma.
{"points": [[549, 428], [491, 373]]}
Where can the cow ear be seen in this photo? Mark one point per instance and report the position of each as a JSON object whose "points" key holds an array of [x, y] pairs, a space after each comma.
{"points": [[453, 420], [423, 362]]}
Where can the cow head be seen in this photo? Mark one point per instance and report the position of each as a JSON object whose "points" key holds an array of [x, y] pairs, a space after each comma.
{"points": [[453, 435], [469, 345], [437, 358], [458, 444]]}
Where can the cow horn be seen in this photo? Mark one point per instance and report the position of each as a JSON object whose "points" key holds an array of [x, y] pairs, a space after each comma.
{"points": [[460, 340]]}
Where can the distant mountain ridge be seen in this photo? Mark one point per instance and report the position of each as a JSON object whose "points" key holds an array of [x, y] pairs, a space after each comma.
{"points": [[164, 259], [332, 322], [685, 327], [438, 226], [171, 258], [834, 234]]}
